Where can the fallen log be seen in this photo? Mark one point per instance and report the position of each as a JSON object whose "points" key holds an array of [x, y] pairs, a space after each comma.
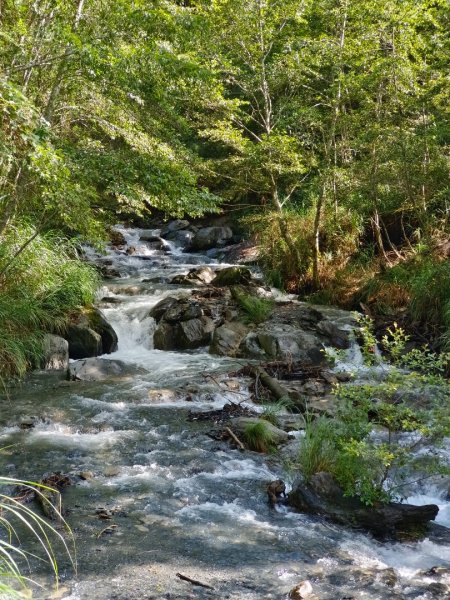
{"points": [[278, 391], [323, 496]]}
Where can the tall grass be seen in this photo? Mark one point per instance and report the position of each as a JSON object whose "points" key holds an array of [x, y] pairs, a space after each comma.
{"points": [[39, 289], [421, 287], [339, 238], [258, 436], [13, 556], [317, 447]]}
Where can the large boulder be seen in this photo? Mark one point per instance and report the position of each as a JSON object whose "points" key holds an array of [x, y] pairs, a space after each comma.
{"points": [[227, 338], [299, 331], [183, 335], [196, 276], [232, 276], [55, 353], [323, 496], [210, 237], [173, 226], [90, 335]]}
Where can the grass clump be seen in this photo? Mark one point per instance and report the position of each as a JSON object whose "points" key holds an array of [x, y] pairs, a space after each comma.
{"points": [[256, 309], [272, 410], [258, 436], [41, 285], [317, 447]]}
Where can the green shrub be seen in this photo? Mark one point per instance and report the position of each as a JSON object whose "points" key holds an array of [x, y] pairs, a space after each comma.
{"points": [[377, 467]]}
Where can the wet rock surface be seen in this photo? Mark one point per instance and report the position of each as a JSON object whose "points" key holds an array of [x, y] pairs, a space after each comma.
{"points": [[165, 496], [90, 335], [322, 495]]}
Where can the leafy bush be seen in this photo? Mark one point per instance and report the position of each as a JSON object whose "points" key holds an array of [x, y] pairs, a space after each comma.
{"points": [[41, 285], [370, 445]]}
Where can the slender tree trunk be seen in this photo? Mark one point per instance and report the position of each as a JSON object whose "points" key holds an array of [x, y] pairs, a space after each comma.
{"points": [[329, 146], [379, 238], [59, 79], [11, 202], [316, 238]]}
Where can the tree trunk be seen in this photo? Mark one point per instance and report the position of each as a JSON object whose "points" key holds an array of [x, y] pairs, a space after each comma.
{"points": [[56, 88]]}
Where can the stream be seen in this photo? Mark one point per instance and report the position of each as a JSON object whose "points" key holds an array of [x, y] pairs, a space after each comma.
{"points": [[180, 501]]}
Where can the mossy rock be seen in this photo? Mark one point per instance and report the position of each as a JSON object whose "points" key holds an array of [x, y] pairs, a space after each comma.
{"points": [[232, 276]]}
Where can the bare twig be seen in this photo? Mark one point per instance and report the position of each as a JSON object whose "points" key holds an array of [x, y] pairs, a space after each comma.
{"points": [[235, 438], [194, 581]]}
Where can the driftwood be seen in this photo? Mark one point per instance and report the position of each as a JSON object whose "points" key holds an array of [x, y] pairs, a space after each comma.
{"points": [[323, 496], [278, 391], [194, 581], [235, 438]]}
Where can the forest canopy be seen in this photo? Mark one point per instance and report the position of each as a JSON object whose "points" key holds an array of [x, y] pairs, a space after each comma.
{"points": [[323, 124]]}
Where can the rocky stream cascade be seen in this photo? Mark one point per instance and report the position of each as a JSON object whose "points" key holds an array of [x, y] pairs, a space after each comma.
{"points": [[158, 496]]}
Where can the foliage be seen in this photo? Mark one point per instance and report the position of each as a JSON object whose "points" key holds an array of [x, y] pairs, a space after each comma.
{"points": [[257, 309], [421, 286], [368, 338], [257, 436], [41, 284], [272, 410], [14, 515], [371, 446]]}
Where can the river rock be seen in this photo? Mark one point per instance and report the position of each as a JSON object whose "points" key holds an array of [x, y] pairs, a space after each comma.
{"points": [[100, 369], [210, 237], [173, 226], [117, 238], [183, 335], [322, 495], [227, 338], [302, 591], [90, 335], [196, 276], [163, 305], [149, 235], [232, 276], [298, 331], [181, 238], [55, 353]]}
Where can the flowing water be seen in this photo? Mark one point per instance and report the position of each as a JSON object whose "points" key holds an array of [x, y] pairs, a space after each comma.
{"points": [[179, 501]]}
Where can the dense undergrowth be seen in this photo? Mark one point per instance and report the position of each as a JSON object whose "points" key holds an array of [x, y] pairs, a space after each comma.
{"points": [[386, 435], [412, 285], [40, 287]]}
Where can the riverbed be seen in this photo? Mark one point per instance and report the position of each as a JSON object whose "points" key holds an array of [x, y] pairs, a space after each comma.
{"points": [[178, 501]]}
